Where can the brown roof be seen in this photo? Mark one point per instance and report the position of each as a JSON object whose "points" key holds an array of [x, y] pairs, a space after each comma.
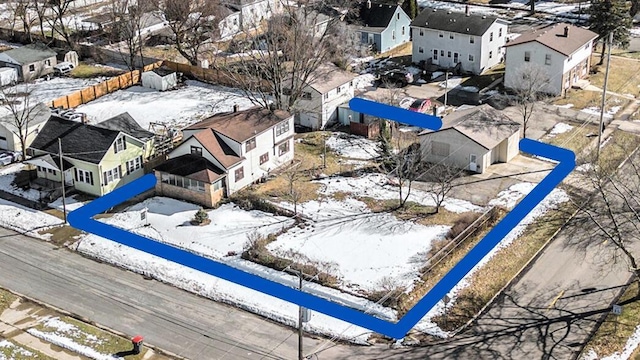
{"points": [[218, 148], [483, 124], [552, 36], [242, 125]]}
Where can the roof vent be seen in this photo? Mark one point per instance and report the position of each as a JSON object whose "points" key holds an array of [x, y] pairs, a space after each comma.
{"points": [[484, 16], [467, 29], [380, 5], [434, 10], [449, 12]]}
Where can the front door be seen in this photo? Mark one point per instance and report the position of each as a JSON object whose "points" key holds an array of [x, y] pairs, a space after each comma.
{"points": [[473, 162], [370, 39], [68, 177], [455, 58]]}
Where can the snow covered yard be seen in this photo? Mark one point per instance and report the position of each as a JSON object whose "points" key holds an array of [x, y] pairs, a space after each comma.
{"points": [[353, 147], [177, 108], [8, 175], [11, 351]]}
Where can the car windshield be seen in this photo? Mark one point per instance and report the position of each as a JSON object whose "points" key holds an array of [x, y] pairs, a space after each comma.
{"points": [[416, 104]]}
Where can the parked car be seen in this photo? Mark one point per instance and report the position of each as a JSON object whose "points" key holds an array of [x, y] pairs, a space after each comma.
{"points": [[421, 105], [397, 77], [9, 157], [63, 68]]}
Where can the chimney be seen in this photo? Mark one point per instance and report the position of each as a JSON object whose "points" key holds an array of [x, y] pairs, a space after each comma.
{"points": [[368, 4], [466, 10], [566, 31], [236, 108]]}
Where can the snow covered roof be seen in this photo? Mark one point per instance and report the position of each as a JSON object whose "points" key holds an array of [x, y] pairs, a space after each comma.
{"points": [[482, 124], [561, 37], [27, 54], [328, 77]]}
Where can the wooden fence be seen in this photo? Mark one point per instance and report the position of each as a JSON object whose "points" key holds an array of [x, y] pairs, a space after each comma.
{"points": [[370, 131], [217, 76], [108, 86]]}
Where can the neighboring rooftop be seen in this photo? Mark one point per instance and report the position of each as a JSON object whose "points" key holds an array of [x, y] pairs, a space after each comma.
{"points": [[193, 167], [482, 124], [378, 15], [80, 141], [218, 148], [561, 37], [242, 125], [457, 22], [328, 77], [27, 54], [125, 123]]}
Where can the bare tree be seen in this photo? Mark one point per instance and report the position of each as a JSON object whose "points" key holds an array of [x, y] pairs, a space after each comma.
{"points": [[440, 181], [127, 17], [21, 10], [612, 213], [60, 10], [406, 170], [530, 84], [286, 57], [41, 10], [292, 175], [21, 113], [194, 24]]}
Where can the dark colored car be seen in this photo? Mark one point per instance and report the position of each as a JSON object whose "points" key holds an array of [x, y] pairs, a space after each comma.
{"points": [[397, 77]]}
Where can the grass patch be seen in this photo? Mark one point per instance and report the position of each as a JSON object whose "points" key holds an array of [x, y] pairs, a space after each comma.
{"points": [[97, 339], [6, 299], [167, 52], [624, 53], [486, 282], [618, 148], [623, 75], [575, 139], [19, 352], [614, 332], [582, 99], [86, 71], [412, 211], [65, 235]]}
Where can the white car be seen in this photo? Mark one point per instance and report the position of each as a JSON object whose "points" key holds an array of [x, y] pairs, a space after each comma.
{"points": [[63, 68], [8, 157]]}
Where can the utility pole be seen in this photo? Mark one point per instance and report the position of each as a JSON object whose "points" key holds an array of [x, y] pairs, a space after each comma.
{"points": [[446, 88], [604, 96], [301, 315], [64, 200]]}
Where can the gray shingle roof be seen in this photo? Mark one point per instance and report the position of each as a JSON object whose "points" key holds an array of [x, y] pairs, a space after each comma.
{"points": [[79, 141], [482, 124], [457, 22], [379, 15], [27, 54], [125, 123]]}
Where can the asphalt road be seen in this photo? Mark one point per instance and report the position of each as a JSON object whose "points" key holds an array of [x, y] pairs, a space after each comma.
{"points": [[167, 317]]}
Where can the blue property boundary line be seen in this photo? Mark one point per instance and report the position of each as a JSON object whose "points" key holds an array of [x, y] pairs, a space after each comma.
{"points": [[82, 219]]}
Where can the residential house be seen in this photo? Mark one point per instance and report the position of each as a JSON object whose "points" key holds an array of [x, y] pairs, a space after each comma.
{"points": [[127, 124], [96, 160], [30, 61], [447, 38], [10, 133], [472, 139], [325, 90], [383, 26], [562, 50], [316, 21], [250, 13], [225, 153]]}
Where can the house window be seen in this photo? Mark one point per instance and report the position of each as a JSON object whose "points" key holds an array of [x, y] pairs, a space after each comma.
{"points": [[451, 36], [441, 34], [264, 158], [84, 176], [440, 148], [53, 172], [527, 56], [393, 34], [239, 174], [448, 53], [40, 168], [470, 58], [326, 96], [282, 128], [283, 148], [251, 144], [398, 16], [421, 50], [435, 54], [32, 68], [500, 32], [338, 89], [441, 53], [491, 36], [121, 144], [472, 40], [286, 91], [490, 54], [402, 29], [110, 176], [190, 184], [306, 95], [47, 63], [547, 59], [196, 150], [217, 186], [421, 32], [133, 165]]}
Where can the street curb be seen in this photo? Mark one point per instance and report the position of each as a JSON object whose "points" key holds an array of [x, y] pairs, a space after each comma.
{"points": [[93, 323]]}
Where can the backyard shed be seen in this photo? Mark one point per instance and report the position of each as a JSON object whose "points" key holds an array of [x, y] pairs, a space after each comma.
{"points": [[160, 79], [8, 76]]}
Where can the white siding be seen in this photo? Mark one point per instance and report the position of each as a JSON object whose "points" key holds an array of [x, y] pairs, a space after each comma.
{"points": [[185, 148], [515, 58], [460, 149], [322, 108], [494, 48]]}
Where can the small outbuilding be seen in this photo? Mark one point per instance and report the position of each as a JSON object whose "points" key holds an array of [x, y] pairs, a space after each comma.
{"points": [[472, 139], [8, 76], [161, 79]]}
